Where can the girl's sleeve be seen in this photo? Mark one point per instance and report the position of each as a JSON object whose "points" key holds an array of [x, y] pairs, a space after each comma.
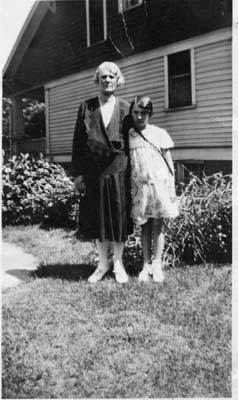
{"points": [[166, 140], [80, 151]]}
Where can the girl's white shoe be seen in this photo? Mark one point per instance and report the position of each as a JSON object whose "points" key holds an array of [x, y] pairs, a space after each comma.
{"points": [[157, 272], [98, 274], [144, 274], [120, 273]]}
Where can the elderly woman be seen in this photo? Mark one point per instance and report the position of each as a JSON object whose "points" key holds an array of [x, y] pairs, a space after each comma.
{"points": [[100, 163]]}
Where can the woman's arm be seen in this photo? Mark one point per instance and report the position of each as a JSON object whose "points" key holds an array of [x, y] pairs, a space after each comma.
{"points": [[127, 124], [79, 143]]}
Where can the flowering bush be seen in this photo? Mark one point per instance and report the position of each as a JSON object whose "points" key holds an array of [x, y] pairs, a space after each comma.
{"points": [[203, 230], [37, 191]]}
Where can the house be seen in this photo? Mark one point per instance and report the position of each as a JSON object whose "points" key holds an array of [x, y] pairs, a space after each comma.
{"points": [[177, 52]]}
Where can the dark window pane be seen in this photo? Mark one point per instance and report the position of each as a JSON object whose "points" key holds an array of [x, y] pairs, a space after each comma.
{"points": [[179, 63], [180, 91], [96, 21], [179, 79]]}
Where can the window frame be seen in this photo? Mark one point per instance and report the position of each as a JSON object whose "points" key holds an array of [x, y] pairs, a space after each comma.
{"points": [[89, 44], [192, 81], [122, 9]]}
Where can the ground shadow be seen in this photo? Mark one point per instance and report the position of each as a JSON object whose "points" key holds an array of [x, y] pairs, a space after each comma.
{"points": [[21, 274], [68, 272], [71, 272]]}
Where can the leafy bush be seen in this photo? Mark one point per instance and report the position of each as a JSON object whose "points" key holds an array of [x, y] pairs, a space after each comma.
{"points": [[37, 191], [6, 105], [34, 117], [203, 230]]}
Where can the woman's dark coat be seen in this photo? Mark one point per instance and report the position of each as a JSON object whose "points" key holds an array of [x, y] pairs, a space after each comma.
{"points": [[100, 155]]}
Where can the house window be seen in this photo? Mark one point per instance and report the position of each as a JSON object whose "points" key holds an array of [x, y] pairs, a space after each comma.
{"points": [[124, 5], [96, 21], [179, 69]]}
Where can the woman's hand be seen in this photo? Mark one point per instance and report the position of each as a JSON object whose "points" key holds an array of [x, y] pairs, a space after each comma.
{"points": [[79, 185]]}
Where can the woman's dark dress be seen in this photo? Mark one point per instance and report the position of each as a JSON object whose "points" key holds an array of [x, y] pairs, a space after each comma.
{"points": [[101, 155]]}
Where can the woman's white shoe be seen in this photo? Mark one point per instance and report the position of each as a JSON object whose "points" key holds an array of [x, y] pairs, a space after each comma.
{"points": [[120, 273], [157, 272], [144, 274], [98, 274]]}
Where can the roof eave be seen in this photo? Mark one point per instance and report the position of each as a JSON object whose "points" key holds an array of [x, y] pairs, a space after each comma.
{"points": [[25, 37]]}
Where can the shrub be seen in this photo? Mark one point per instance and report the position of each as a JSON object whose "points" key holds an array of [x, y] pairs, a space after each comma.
{"points": [[37, 191], [203, 230]]}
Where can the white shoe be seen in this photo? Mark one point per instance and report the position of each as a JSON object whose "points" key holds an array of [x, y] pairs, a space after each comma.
{"points": [[158, 275], [98, 274], [120, 273], [144, 274]]}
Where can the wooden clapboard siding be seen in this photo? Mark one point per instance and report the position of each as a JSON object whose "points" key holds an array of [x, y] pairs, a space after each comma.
{"points": [[59, 48], [207, 124], [64, 101], [210, 122]]}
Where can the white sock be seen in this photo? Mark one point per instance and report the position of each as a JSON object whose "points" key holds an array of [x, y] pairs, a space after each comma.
{"points": [[118, 250], [102, 248]]}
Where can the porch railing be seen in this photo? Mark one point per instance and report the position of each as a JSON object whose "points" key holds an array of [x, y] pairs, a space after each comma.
{"points": [[31, 146]]}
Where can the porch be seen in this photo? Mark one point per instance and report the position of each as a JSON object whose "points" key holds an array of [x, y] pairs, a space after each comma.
{"points": [[27, 123], [31, 146]]}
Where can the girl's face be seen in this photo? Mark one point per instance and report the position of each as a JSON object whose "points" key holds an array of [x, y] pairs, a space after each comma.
{"points": [[140, 117]]}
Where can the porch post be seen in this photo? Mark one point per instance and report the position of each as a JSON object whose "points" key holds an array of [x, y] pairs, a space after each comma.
{"points": [[47, 124], [17, 125], [180, 172]]}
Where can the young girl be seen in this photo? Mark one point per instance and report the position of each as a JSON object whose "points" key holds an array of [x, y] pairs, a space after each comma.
{"points": [[153, 188]]}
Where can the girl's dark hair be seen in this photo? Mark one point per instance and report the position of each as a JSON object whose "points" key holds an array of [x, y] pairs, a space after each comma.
{"points": [[142, 102]]}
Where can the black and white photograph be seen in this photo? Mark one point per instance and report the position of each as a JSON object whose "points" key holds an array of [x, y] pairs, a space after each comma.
{"points": [[119, 213]]}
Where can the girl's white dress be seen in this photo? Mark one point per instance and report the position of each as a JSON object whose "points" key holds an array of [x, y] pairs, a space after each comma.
{"points": [[153, 187]]}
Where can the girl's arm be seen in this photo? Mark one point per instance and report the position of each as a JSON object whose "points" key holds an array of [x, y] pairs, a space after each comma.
{"points": [[172, 190], [167, 155]]}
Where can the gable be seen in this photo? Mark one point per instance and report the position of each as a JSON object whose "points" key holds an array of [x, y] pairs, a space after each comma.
{"points": [[55, 43]]}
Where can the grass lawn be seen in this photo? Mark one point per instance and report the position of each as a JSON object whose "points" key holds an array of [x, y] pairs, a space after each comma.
{"points": [[65, 338]]}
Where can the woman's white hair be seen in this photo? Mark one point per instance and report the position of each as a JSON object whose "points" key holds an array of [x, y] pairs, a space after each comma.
{"points": [[111, 67]]}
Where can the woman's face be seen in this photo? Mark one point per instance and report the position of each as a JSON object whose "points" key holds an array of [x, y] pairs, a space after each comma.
{"points": [[107, 82], [140, 117]]}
